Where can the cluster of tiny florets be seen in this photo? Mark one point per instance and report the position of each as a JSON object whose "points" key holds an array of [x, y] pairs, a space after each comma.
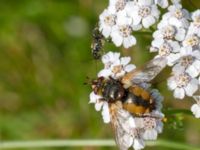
{"points": [[178, 39], [123, 17]]}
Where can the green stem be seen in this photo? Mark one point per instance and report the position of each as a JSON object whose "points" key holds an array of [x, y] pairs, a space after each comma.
{"points": [[86, 143]]}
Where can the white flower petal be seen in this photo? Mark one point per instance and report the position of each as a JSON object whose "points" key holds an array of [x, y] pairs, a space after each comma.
{"points": [[106, 31], [175, 45], [150, 134], [179, 93], [106, 113], [98, 105], [136, 27], [157, 34], [125, 60], [196, 110], [175, 22], [172, 59], [178, 69], [171, 83], [155, 11], [129, 67], [196, 64], [105, 73], [110, 57], [196, 54], [117, 39], [186, 51], [192, 71], [148, 21], [138, 144], [136, 19], [93, 97], [145, 2], [159, 127], [157, 42], [162, 3], [129, 41], [192, 87], [180, 34]]}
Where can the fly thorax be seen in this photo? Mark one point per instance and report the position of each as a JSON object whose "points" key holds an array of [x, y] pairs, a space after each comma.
{"points": [[112, 91]]}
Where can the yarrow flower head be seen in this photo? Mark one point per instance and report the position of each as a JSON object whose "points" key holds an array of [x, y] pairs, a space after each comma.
{"points": [[144, 12], [122, 31], [122, 17], [114, 66], [166, 49], [106, 23], [168, 31], [177, 39], [177, 16], [188, 60], [182, 84]]}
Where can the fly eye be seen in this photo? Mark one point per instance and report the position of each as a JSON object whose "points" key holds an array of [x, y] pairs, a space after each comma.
{"points": [[96, 90]]}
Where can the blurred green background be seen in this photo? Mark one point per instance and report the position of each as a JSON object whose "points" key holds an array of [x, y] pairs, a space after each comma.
{"points": [[45, 58]]}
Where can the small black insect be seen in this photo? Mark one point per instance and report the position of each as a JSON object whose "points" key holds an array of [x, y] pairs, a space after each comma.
{"points": [[97, 43]]}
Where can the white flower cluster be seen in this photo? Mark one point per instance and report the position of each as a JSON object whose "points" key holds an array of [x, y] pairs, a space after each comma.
{"points": [[114, 66], [178, 39], [122, 17], [135, 129]]}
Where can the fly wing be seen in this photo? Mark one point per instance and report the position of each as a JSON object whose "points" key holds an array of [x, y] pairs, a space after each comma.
{"points": [[119, 118], [146, 74]]}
